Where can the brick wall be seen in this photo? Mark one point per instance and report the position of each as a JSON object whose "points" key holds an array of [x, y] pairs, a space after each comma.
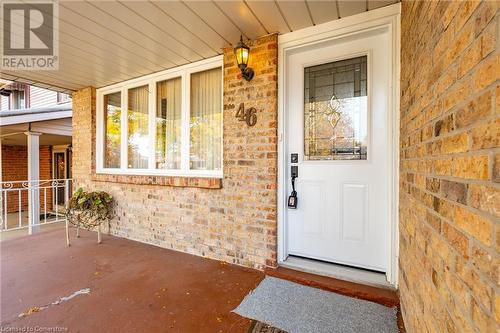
{"points": [[235, 223], [450, 162], [15, 168], [45, 173]]}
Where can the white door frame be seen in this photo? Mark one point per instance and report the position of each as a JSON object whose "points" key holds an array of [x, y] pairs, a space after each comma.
{"points": [[388, 17]]}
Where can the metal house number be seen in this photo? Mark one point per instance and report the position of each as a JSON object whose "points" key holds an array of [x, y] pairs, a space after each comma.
{"points": [[249, 115]]}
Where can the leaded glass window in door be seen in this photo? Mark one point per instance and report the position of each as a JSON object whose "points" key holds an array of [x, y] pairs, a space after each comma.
{"points": [[336, 110]]}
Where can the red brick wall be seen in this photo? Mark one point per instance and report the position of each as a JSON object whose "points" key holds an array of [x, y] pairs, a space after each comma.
{"points": [[450, 190], [15, 168], [46, 173], [14, 163]]}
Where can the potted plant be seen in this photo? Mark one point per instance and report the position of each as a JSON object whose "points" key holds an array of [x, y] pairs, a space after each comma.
{"points": [[88, 210]]}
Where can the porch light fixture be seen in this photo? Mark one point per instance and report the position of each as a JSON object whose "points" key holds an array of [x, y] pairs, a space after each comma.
{"points": [[242, 52]]}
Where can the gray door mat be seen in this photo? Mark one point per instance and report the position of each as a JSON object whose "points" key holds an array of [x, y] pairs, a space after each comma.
{"points": [[300, 309]]}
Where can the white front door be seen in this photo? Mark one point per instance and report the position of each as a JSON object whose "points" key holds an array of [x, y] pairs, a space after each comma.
{"points": [[336, 106]]}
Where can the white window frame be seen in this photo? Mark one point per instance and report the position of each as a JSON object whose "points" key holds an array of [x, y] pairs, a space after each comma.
{"points": [[184, 72]]}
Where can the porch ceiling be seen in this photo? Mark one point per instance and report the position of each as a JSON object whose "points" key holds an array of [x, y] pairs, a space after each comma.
{"points": [[101, 43], [54, 132], [19, 139]]}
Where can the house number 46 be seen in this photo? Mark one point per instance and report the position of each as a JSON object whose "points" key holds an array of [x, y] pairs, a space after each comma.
{"points": [[249, 115]]}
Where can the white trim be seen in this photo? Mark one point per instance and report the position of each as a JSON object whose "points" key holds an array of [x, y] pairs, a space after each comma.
{"points": [[346, 273], [184, 72], [33, 177], [350, 24], [60, 147], [31, 118], [393, 277], [159, 172], [388, 17]]}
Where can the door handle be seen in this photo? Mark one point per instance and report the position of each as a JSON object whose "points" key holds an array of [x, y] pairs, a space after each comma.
{"points": [[292, 199]]}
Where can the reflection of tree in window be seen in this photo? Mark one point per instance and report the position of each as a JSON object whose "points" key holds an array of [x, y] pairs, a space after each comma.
{"points": [[112, 136], [335, 110], [206, 120], [137, 120], [168, 124]]}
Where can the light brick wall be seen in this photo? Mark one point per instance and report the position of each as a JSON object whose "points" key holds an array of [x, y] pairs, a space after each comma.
{"points": [[15, 168], [235, 223], [450, 193]]}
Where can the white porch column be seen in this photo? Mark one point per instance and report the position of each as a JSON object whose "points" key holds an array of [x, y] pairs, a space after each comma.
{"points": [[33, 177]]}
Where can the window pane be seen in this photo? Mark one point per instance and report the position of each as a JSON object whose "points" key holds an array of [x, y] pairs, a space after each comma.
{"points": [[206, 120], [168, 124], [336, 110], [137, 138], [18, 99], [112, 130]]}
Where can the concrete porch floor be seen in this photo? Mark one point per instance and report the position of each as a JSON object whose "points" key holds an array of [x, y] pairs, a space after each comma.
{"points": [[16, 233], [134, 287], [14, 229]]}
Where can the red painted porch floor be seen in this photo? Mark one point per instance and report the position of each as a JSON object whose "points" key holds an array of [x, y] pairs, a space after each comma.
{"points": [[134, 287]]}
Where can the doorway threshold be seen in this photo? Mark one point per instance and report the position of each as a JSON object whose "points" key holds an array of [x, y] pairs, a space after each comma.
{"points": [[341, 272]]}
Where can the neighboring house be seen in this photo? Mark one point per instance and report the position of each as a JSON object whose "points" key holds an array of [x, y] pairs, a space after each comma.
{"points": [[15, 96], [369, 141], [31, 112]]}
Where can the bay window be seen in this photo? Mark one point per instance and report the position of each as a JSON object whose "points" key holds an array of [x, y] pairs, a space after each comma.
{"points": [[167, 123]]}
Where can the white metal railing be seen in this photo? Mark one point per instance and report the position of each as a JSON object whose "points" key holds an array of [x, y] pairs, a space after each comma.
{"points": [[29, 204]]}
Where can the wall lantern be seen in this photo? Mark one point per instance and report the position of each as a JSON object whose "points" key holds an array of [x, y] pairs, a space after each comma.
{"points": [[242, 52]]}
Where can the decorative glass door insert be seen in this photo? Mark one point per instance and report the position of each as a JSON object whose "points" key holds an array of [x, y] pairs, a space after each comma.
{"points": [[336, 110]]}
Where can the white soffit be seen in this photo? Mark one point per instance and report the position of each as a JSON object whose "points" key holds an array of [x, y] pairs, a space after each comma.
{"points": [[105, 42]]}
